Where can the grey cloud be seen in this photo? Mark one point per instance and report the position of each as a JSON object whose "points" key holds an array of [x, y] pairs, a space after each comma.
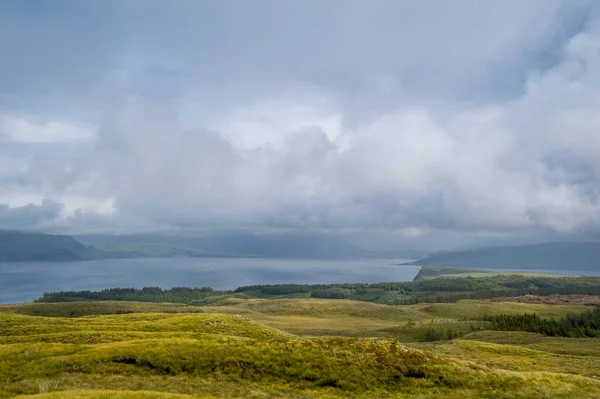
{"points": [[470, 120], [29, 216], [91, 51]]}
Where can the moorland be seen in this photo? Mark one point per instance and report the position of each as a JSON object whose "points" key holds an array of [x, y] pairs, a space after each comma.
{"points": [[436, 337]]}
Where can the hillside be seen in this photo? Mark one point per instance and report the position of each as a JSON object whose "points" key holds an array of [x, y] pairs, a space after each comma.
{"points": [[580, 256], [235, 244], [430, 272], [440, 289], [291, 348], [18, 246], [291, 341]]}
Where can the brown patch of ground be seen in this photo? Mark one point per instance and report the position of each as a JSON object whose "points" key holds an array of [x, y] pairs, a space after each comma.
{"points": [[585, 300]]}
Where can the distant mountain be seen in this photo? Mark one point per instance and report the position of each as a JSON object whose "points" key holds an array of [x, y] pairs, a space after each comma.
{"points": [[408, 253], [580, 256], [235, 244], [18, 246]]}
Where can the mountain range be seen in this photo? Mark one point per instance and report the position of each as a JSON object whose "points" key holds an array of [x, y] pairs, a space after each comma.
{"points": [[560, 255], [226, 244], [20, 246]]}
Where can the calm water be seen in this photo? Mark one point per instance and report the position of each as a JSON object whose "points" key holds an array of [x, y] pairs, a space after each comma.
{"points": [[23, 282]]}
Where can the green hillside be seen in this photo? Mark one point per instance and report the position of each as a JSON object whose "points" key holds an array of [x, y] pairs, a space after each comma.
{"points": [[227, 244], [443, 288], [210, 354], [428, 272], [283, 341], [17, 246]]}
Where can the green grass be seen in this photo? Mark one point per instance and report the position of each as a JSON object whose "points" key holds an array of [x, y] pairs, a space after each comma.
{"points": [[430, 272]]}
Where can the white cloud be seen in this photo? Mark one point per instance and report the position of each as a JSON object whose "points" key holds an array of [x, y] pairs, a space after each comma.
{"points": [[22, 130], [269, 124]]}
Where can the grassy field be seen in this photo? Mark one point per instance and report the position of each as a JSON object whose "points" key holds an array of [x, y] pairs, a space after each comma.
{"points": [[564, 355], [106, 394], [285, 348], [429, 272], [78, 309], [318, 317]]}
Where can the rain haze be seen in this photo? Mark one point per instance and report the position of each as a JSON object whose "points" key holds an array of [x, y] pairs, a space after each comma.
{"points": [[389, 124]]}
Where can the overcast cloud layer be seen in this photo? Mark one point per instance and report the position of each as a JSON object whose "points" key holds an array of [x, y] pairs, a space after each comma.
{"points": [[412, 119]]}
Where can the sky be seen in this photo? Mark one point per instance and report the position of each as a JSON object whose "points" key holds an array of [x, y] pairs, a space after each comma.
{"points": [[392, 123]]}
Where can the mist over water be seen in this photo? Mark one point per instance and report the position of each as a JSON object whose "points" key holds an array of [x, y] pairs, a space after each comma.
{"points": [[24, 282]]}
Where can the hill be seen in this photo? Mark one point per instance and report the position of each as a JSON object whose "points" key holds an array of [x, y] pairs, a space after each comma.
{"points": [[580, 256], [292, 348], [235, 244], [429, 272], [427, 290], [18, 246], [268, 342]]}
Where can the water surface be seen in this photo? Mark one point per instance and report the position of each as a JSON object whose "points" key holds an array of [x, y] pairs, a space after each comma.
{"points": [[24, 282]]}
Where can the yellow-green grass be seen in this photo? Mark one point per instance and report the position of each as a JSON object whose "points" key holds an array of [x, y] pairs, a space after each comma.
{"points": [[556, 345], [500, 384], [333, 308], [517, 358], [308, 307], [78, 309], [106, 394], [212, 362], [359, 319], [472, 308], [302, 317], [129, 325], [307, 317], [231, 356]]}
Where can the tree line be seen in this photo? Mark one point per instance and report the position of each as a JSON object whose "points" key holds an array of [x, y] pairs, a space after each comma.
{"points": [[395, 293], [583, 325], [586, 324]]}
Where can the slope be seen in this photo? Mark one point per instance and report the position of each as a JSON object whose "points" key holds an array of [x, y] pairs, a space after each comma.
{"points": [[581, 256], [18, 246]]}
